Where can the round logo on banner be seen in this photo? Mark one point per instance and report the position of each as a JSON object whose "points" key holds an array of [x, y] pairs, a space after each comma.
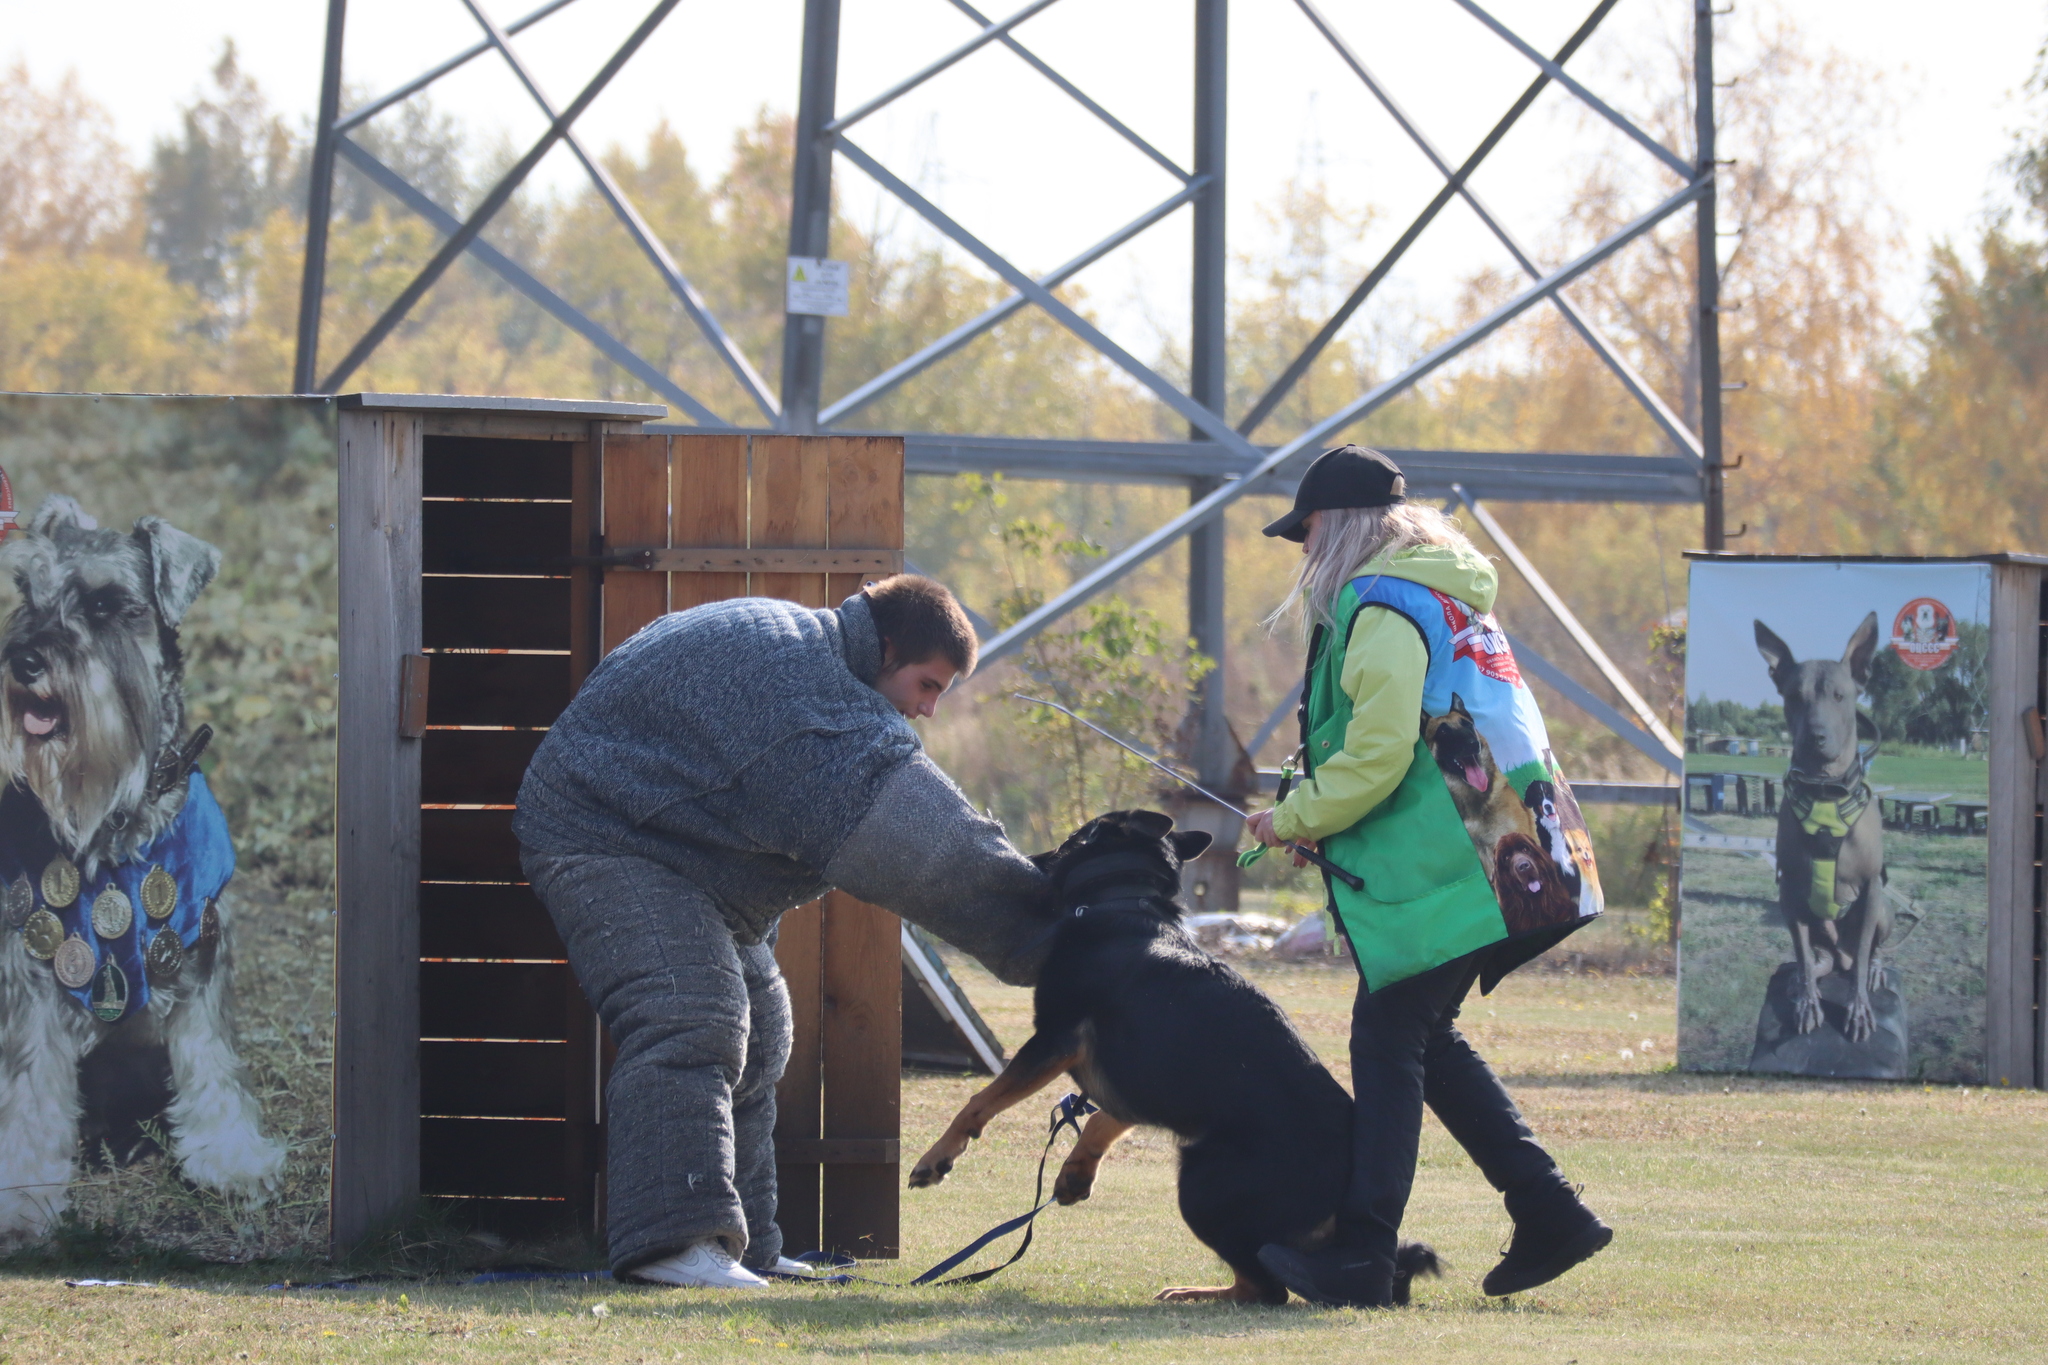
{"points": [[1924, 635]]}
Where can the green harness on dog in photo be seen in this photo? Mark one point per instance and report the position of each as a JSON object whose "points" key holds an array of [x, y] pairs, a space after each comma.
{"points": [[1825, 823]]}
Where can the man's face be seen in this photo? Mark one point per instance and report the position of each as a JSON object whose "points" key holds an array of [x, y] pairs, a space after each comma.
{"points": [[915, 689]]}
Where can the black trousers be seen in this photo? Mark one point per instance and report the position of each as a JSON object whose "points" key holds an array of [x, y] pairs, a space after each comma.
{"points": [[1406, 1051]]}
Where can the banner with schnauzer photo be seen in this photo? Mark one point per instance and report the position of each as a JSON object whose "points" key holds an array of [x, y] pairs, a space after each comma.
{"points": [[168, 652], [1834, 901]]}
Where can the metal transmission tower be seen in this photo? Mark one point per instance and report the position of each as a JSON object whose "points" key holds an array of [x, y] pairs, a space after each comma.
{"points": [[1221, 462]]}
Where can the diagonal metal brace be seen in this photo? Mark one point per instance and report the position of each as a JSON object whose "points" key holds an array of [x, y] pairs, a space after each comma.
{"points": [[639, 229], [564, 312], [499, 196], [968, 331], [1207, 509], [1684, 169], [1645, 396]]}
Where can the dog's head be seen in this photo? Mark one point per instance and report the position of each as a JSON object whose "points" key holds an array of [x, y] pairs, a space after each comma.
{"points": [[91, 678], [1820, 699], [1454, 741], [1531, 888], [1124, 853]]}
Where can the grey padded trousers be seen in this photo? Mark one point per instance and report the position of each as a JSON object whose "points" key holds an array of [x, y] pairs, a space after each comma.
{"points": [[702, 1027]]}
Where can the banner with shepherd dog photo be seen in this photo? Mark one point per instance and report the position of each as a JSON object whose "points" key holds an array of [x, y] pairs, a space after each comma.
{"points": [[168, 651], [1833, 875]]}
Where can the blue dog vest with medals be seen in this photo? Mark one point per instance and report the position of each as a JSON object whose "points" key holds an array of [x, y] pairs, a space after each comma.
{"points": [[137, 921]]}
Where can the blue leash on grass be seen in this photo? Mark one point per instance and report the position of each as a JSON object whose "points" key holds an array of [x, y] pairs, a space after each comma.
{"points": [[1068, 1113]]}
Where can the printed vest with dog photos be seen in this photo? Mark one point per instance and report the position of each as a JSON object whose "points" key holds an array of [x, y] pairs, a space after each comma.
{"points": [[110, 937], [1481, 843]]}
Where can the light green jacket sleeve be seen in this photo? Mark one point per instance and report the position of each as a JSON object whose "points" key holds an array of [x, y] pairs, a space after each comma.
{"points": [[1383, 674]]}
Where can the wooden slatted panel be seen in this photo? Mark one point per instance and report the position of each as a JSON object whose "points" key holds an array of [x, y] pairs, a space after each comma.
{"points": [[709, 498], [466, 767], [472, 467], [789, 504], [523, 690], [493, 1080], [501, 1135], [636, 492], [862, 1032], [866, 487], [497, 1158], [799, 1099], [495, 537], [497, 613], [481, 921]]}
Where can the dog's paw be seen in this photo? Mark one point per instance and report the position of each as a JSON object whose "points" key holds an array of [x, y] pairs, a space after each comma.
{"points": [[1861, 1020], [1075, 1183], [240, 1163], [1806, 1012], [929, 1171]]}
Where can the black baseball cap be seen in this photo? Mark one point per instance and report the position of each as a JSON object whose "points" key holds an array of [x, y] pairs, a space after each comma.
{"points": [[1343, 476]]}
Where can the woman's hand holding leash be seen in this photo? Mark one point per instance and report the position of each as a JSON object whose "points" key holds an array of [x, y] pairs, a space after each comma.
{"points": [[1260, 826]]}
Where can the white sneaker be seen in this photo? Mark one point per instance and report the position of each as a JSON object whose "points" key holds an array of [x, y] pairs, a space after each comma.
{"points": [[784, 1266], [706, 1265]]}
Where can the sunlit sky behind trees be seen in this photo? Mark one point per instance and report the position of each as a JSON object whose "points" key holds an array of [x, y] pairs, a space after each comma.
{"points": [[1887, 213]]}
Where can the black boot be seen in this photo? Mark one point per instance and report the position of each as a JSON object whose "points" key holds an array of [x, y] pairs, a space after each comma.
{"points": [[1553, 1233]]}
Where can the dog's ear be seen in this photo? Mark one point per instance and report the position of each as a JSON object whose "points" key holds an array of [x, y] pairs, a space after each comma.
{"points": [[1044, 861], [1188, 844], [59, 511], [1776, 652], [1862, 650], [1458, 707], [1148, 824], [180, 566]]}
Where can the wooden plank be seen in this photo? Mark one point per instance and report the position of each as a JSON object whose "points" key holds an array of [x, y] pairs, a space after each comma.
{"points": [[867, 562], [799, 1112], [865, 483], [507, 1001], [496, 613], [583, 1072], [478, 467], [2009, 1025], [517, 1157], [497, 537], [459, 920], [523, 426], [636, 493], [498, 689], [467, 846], [475, 767], [841, 1151], [789, 505], [492, 1080], [862, 1028], [709, 498], [375, 1172]]}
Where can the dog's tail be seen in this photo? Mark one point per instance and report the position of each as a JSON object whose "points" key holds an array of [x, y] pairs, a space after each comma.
{"points": [[1412, 1259]]}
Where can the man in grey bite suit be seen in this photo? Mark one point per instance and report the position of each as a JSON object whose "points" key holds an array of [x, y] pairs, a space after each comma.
{"points": [[724, 765]]}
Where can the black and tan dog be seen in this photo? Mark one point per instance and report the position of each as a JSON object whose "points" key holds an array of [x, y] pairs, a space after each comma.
{"points": [[1830, 839], [1157, 1032]]}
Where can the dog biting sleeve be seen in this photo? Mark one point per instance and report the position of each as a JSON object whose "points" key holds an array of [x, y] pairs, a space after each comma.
{"points": [[1384, 668], [925, 853]]}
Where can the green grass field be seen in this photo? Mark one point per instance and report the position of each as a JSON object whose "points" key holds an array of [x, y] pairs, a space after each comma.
{"points": [[1757, 1220]]}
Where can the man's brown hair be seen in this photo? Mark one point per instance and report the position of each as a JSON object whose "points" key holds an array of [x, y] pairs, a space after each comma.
{"points": [[920, 620]]}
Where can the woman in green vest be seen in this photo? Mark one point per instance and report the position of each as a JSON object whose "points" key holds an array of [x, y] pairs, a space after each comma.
{"points": [[1425, 771]]}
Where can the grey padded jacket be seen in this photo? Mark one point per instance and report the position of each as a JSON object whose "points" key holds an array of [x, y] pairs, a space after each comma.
{"points": [[743, 745]]}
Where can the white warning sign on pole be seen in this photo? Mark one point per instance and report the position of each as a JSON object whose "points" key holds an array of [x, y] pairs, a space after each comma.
{"points": [[818, 287]]}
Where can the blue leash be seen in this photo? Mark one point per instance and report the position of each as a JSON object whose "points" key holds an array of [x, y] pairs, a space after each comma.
{"points": [[1068, 1113]]}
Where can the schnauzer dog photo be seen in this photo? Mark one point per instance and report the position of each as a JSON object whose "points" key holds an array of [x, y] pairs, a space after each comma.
{"points": [[147, 811]]}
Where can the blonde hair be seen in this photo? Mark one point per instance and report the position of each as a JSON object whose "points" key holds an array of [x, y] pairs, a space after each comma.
{"points": [[1344, 541]]}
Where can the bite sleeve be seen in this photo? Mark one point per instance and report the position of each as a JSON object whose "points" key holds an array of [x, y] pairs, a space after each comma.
{"points": [[925, 853]]}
